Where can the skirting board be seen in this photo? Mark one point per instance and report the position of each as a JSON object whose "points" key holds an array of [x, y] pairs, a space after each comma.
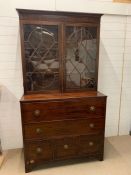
{"points": [[123, 1]]}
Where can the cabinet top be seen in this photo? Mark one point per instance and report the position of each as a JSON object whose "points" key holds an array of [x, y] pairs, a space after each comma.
{"points": [[28, 14], [29, 11], [60, 96]]}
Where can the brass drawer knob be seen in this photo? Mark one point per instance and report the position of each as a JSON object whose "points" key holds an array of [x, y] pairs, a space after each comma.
{"points": [[37, 113], [32, 161], [38, 130], [91, 143], [39, 150], [91, 125], [66, 146], [92, 108]]}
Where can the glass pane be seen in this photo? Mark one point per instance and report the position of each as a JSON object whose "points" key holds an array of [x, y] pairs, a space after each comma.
{"points": [[41, 57], [80, 57]]}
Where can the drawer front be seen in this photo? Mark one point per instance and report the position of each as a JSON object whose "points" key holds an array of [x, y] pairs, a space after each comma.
{"points": [[90, 144], [63, 128], [65, 148], [38, 151], [78, 146], [59, 110]]}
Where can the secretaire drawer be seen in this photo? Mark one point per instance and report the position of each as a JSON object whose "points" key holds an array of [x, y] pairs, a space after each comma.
{"points": [[58, 110], [63, 128]]}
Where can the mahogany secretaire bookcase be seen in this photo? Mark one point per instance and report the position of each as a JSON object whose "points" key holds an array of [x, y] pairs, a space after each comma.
{"points": [[63, 115]]}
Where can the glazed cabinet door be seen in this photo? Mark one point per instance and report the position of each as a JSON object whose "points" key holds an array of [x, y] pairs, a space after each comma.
{"points": [[41, 62], [81, 57], [60, 57]]}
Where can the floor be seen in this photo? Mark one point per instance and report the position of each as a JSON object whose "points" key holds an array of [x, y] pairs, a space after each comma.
{"points": [[117, 162], [1, 160]]}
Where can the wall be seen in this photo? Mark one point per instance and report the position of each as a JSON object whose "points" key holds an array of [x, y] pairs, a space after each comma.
{"points": [[111, 67], [10, 69], [115, 46], [125, 109]]}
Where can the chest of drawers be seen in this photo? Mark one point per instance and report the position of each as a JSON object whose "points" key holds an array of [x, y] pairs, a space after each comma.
{"points": [[62, 127]]}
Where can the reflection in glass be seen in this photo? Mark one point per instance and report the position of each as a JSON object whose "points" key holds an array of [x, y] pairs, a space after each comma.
{"points": [[41, 55], [80, 57]]}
